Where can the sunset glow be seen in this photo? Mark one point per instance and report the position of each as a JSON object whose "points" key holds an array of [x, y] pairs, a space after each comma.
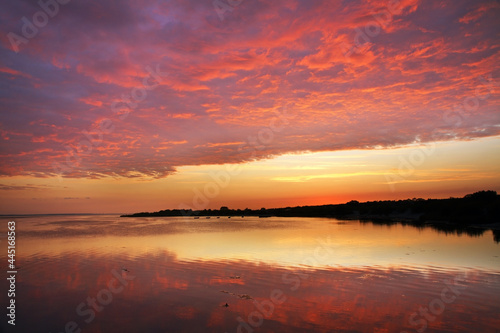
{"points": [[126, 106]]}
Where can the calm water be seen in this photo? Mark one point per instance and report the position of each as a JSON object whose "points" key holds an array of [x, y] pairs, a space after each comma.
{"points": [[112, 274]]}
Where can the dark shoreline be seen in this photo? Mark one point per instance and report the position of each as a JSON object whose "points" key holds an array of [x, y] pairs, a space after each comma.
{"points": [[477, 211]]}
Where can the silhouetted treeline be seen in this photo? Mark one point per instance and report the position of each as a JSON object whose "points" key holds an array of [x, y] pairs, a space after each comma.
{"points": [[478, 208]]}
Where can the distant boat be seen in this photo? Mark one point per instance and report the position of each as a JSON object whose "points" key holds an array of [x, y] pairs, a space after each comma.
{"points": [[218, 217], [196, 217], [207, 217], [229, 217]]}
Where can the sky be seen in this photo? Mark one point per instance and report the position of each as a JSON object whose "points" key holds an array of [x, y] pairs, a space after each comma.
{"points": [[127, 106]]}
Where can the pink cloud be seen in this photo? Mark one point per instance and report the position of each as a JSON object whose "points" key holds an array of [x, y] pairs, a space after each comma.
{"points": [[226, 82]]}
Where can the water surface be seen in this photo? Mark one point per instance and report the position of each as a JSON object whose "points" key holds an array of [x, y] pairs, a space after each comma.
{"points": [[104, 273]]}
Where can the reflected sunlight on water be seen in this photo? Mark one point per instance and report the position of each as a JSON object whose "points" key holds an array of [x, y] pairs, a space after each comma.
{"points": [[275, 275]]}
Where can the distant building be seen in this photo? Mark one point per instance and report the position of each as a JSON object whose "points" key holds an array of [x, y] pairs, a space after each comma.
{"points": [[224, 208]]}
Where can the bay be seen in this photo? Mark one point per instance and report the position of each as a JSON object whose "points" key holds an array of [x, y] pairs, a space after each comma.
{"points": [[103, 273]]}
